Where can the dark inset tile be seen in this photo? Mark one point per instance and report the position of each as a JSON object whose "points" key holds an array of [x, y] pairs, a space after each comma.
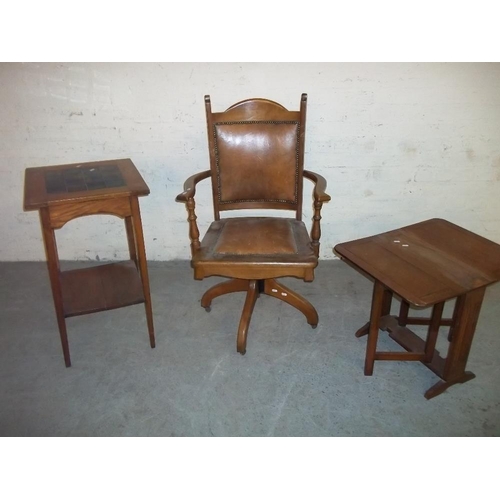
{"points": [[83, 179]]}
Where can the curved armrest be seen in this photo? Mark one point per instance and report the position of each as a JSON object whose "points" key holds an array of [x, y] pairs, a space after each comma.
{"points": [[190, 186], [187, 197], [320, 186]]}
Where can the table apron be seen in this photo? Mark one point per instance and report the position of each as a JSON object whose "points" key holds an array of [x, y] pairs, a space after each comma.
{"points": [[65, 212]]}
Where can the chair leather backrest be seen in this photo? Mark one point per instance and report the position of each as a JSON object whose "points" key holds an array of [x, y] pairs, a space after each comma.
{"points": [[257, 155]]}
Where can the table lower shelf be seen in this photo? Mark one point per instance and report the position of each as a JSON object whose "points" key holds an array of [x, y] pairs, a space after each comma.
{"points": [[101, 288]]}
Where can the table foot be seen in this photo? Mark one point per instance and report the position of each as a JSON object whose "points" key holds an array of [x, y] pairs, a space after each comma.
{"points": [[442, 385], [363, 330]]}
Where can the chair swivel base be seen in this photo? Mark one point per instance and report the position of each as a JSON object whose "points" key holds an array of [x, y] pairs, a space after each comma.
{"points": [[254, 288]]}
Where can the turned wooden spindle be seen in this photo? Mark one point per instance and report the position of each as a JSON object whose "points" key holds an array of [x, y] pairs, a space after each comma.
{"points": [[194, 233], [316, 228]]}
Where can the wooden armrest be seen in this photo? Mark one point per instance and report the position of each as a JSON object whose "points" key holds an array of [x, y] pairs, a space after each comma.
{"points": [[320, 197], [187, 197], [319, 192], [190, 186]]}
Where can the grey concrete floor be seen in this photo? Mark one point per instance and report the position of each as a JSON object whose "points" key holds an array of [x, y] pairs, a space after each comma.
{"points": [[293, 380]]}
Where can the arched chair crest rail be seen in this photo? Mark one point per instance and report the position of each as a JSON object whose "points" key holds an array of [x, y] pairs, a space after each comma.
{"points": [[256, 162]]}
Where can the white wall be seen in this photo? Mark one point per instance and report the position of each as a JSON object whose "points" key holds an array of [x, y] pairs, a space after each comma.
{"points": [[397, 143]]}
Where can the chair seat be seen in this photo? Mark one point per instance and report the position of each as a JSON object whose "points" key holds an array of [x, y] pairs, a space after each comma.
{"points": [[256, 248]]}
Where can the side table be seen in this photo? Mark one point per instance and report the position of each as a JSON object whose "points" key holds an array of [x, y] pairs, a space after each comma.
{"points": [[62, 193], [425, 264]]}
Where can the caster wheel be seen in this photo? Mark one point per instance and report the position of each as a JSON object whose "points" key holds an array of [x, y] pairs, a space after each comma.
{"points": [[314, 326], [208, 309]]}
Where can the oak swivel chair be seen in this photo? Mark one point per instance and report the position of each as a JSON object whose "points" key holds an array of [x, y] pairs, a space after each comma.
{"points": [[256, 162]]}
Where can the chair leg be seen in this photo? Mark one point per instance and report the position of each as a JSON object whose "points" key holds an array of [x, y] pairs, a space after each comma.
{"points": [[275, 289], [253, 288], [234, 285], [252, 295]]}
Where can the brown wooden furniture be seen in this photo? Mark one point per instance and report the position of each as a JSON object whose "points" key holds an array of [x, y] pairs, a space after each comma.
{"points": [[63, 193], [425, 264], [256, 162]]}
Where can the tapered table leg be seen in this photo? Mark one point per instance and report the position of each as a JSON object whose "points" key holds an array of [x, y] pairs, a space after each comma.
{"points": [[143, 268], [132, 250], [50, 244]]}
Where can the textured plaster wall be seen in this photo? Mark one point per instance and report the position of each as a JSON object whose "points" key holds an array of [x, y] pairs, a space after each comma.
{"points": [[397, 143]]}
